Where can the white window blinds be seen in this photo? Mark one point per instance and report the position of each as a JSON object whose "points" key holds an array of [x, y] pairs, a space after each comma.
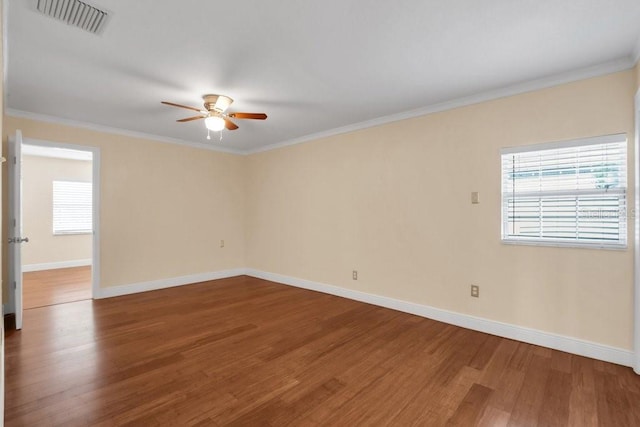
{"points": [[571, 193], [72, 212]]}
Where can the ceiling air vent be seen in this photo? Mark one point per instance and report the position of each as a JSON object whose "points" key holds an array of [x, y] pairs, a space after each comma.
{"points": [[76, 13]]}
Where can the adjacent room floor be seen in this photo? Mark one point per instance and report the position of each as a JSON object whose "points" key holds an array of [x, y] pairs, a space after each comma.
{"points": [[245, 351], [48, 287]]}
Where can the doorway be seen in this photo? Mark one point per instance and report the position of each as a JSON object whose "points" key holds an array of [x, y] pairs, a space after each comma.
{"points": [[58, 199]]}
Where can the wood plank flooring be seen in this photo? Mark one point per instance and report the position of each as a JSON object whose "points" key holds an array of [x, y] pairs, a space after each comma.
{"points": [[244, 351], [48, 287]]}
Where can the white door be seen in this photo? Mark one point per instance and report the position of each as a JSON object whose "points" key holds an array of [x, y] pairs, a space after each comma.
{"points": [[15, 226]]}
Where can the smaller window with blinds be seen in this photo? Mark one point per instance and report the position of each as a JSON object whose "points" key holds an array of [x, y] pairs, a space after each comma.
{"points": [[571, 193], [72, 211]]}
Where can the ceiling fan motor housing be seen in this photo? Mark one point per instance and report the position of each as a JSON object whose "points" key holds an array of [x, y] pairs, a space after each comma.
{"points": [[217, 103]]}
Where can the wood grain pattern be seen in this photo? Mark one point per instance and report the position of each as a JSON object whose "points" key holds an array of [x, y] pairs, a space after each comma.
{"points": [[48, 287], [244, 351]]}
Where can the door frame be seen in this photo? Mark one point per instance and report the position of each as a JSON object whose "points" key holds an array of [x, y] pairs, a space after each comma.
{"points": [[95, 185], [636, 240]]}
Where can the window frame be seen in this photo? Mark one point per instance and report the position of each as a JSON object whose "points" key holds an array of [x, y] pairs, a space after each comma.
{"points": [[53, 208], [623, 193]]}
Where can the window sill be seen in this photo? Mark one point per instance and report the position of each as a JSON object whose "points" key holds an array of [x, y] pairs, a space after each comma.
{"points": [[71, 233], [557, 244]]}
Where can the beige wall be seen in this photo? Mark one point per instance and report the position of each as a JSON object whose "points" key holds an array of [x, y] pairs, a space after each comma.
{"points": [[38, 174], [393, 202], [164, 207]]}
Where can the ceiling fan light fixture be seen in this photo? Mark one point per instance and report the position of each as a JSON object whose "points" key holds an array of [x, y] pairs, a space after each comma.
{"points": [[222, 103], [215, 118], [218, 103], [214, 123]]}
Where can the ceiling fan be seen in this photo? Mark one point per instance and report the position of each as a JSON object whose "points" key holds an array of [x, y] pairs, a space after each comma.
{"points": [[214, 115]]}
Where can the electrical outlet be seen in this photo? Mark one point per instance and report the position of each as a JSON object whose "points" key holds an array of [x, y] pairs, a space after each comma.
{"points": [[222, 243], [475, 291], [355, 275]]}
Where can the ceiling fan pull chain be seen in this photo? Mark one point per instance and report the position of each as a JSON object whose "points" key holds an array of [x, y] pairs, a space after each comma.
{"points": [[220, 136], [208, 135]]}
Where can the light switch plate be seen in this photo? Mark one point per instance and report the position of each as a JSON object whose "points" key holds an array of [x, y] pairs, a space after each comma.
{"points": [[475, 197], [475, 291]]}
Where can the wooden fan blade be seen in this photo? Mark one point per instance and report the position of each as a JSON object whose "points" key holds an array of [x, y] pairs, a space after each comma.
{"points": [[229, 124], [180, 106], [256, 116], [188, 119]]}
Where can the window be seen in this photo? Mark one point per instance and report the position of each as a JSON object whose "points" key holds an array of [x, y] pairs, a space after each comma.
{"points": [[569, 193], [72, 213]]}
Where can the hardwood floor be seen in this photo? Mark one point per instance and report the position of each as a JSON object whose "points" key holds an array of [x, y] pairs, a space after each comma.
{"points": [[48, 287], [244, 351]]}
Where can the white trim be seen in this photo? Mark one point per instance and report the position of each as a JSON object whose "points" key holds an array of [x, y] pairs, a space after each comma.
{"points": [[153, 285], [635, 54], [55, 265], [116, 131], [95, 167], [95, 270], [578, 244], [519, 333], [569, 143], [636, 240], [533, 85]]}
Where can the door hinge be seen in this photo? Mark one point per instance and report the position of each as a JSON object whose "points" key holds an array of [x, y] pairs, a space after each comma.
{"points": [[15, 160], [14, 222], [14, 285]]}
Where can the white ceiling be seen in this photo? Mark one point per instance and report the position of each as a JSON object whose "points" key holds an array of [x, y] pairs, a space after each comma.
{"points": [[311, 66]]}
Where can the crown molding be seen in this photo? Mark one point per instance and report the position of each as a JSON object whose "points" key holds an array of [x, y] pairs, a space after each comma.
{"points": [[610, 67], [113, 130], [530, 86], [635, 55]]}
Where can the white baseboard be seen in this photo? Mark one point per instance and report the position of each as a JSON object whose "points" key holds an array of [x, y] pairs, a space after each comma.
{"points": [[55, 265], [505, 330], [153, 285]]}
